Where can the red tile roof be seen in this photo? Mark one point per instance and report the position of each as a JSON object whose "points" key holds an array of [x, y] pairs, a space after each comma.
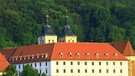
{"points": [[63, 51], [124, 48], [3, 63], [85, 48], [8, 52]]}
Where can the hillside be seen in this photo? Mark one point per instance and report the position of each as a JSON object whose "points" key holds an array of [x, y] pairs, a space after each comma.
{"points": [[91, 20]]}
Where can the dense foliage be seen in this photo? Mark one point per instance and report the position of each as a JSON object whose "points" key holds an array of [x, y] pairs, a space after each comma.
{"points": [[30, 71], [91, 20], [10, 71]]}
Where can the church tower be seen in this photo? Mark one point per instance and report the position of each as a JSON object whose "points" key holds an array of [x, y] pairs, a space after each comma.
{"points": [[67, 34], [47, 35]]}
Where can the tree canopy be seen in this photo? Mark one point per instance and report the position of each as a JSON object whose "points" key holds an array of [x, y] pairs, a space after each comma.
{"points": [[11, 71], [91, 20]]}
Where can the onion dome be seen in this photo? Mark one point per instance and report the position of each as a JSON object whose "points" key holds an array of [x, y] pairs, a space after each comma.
{"points": [[67, 31], [47, 29]]}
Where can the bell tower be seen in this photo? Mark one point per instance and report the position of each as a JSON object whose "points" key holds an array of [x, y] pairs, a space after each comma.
{"points": [[47, 35], [67, 34]]}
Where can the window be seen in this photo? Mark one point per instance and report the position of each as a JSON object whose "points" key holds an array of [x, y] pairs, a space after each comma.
{"points": [[72, 40], [99, 63], [106, 55], [57, 63], [85, 63], [64, 63], [61, 55], [46, 63], [78, 63], [52, 41], [106, 63], [97, 55], [78, 70], [40, 71], [92, 63], [99, 70], [46, 71], [19, 66], [57, 70], [31, 64], [113, 63], [46, 56], [120, 63], [71, 70], [87, 55], [120, 70], [115, 55], [85, 70], [49, 41], [113, 70], [64, 70], [92, 70], [35, 65], [71, 63], [78, 55], [107, 71], [70, 55], [40, 64]]}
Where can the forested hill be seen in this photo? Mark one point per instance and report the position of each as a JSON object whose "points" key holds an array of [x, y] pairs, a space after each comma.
{"points": [[91, 20]]}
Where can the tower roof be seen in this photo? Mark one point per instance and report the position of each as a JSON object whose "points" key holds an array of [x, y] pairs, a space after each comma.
{"points": [[47, 29], [67, 30]]}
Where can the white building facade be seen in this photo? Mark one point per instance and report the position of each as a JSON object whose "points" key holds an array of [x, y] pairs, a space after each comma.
{"points": [[76, 59]]}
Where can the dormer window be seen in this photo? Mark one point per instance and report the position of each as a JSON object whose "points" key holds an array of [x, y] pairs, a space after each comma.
{"points": [[70, 55], [24, 58], [106, 55], [87, 55], [13, 59], [115, 55], [42, 55], [28, 56], [20, 58], [46, 55], [61, 55], [32, 57], [37, 56], [97, 55], [78, 55]]}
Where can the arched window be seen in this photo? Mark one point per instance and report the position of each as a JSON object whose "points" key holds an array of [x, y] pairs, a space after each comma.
{"points": [[78, 55], [97, 55], [106, 55], [87, 55], [70, 55], [61, 55], [115, 55]]}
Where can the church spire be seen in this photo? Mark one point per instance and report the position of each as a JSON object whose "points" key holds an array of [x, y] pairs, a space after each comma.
{"points": [[66, 20], [47, 20]]}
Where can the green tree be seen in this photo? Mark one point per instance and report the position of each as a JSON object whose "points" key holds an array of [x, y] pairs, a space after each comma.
{"points": [[43, 74], [11, 71], [29, 71]]}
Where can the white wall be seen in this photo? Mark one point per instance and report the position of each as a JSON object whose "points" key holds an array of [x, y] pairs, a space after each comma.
{"points": [[45, 67], [96, 67], [52, 67]]}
